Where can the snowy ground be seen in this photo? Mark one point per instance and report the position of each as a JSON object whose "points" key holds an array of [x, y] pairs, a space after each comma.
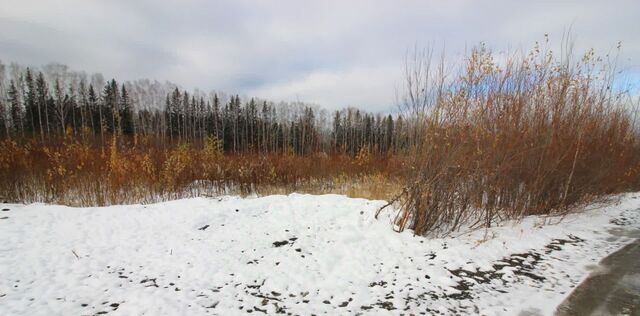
{"points": [[296, 254]]}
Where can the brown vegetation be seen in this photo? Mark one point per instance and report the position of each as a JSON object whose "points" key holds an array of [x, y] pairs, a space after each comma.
{"points": [[76, 172], [530, 135]]}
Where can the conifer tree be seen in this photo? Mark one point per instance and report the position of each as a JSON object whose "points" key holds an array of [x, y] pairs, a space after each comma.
{"points": [[95, 109], [31, 112], [4, 126], [126, 113], [41, 104], [16, 109]]}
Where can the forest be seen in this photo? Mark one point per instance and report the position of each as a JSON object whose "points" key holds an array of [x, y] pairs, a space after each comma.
{"points": [[45, 107]]}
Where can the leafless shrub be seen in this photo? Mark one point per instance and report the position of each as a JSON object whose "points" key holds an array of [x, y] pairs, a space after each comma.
{"points": [[84, 173], [531, 135]]}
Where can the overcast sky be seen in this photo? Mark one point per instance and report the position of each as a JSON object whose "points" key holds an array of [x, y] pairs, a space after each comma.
{"points": [[333, 53]]}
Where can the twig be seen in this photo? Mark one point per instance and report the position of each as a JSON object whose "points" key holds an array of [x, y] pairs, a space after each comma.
{"points": [[395, 199], [573, 168]]}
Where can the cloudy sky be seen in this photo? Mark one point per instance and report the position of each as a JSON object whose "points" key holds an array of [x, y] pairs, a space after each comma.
{"points": [[333, 53]]}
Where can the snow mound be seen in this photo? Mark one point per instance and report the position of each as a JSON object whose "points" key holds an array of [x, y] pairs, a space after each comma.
{"points": [[295, 254]]}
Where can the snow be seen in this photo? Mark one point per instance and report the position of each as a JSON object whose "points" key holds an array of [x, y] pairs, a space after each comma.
{"points": [[297, 254]]}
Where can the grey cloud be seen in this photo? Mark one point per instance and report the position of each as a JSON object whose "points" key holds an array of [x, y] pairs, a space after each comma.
{"points": [[335, 53]]}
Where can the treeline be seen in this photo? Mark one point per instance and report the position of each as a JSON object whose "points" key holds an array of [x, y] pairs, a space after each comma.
{"points": [[51, 104]]}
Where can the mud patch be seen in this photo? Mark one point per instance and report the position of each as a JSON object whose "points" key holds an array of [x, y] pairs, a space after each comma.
{"points": [[520, 265]]}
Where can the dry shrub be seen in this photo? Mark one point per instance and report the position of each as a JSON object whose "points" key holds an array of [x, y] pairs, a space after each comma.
{"points": [[212, 155], [363, 157], [533, 135], [119, 167], [84, 173], [14, 156], [177, 168]]}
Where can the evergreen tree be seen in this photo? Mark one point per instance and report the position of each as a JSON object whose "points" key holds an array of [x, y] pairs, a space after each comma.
{"points": [[16, 109], [168, 112], [176, 113], [126, 113], [4, 124], [215, 117], [74, 110], [95, 108], [110, 100], [31, 111], [41, 104]]}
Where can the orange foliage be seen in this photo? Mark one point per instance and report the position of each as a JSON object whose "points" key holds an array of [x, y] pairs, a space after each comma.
{"points": [[78, 173]]}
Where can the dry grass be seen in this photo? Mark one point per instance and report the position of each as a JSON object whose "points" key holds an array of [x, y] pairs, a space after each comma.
{"points": [[377, 186]]}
